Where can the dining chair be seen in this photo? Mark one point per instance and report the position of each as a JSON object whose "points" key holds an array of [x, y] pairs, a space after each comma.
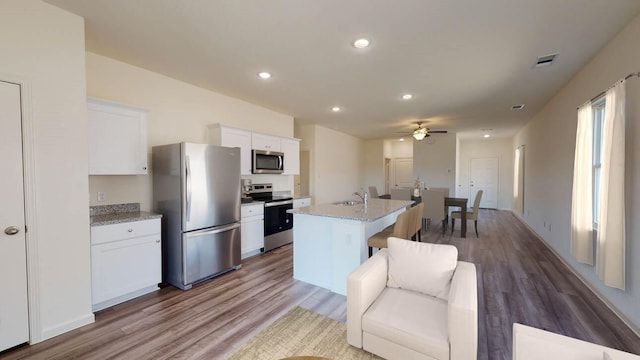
{"points": [[471, 215], [373, 192], [434, 209], [443, 189], [399, 229], [400, 193]]}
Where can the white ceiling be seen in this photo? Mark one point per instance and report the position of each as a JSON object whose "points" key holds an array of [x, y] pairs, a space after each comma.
{"points": [[466, 61]]}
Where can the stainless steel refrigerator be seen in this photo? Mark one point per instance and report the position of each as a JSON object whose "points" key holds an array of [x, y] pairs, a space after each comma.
{"points": [[196, 187]]}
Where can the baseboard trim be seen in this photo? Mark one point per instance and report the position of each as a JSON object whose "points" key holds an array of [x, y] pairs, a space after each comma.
{"points": [[588, 284], [66, 326]]}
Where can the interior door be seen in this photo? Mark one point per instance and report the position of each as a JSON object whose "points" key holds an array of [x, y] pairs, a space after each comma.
{"points": [[14, 321], [404, 172], [484, 176]]}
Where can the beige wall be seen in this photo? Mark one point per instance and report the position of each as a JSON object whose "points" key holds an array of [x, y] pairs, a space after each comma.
{"points": [[374, 164], [434, 160], [494, 148], [177, 112], [337, 163], [43, 47], [550, 142]]}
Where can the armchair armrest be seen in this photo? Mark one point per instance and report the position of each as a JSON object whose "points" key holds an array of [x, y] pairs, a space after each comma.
{"points": [[364, 285], [463, 312]]}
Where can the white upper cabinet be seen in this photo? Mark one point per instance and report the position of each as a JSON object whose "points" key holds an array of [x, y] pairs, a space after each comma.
{"points": [[247, 140], [117, 138], [231, 137], [265, 142], [291, 150]]}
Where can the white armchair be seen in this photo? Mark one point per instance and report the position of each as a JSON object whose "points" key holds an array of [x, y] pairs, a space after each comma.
{"points": [[399, 323]]}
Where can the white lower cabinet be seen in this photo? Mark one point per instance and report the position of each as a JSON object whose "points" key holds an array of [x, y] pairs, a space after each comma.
{"points": [[252, 229], [301, 202], [126, 261]]}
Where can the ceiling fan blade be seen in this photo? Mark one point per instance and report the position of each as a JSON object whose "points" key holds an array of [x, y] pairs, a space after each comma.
{"points": [[437, 131]]}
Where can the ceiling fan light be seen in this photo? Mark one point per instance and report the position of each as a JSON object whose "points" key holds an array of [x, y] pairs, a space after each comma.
{"points": [[420, 133]]}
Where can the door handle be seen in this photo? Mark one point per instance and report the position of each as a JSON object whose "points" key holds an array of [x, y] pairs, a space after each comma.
{"points": [[11, 230]]}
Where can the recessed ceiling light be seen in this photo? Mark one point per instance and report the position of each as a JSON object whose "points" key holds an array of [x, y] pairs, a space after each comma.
{"points": [[336, 108], [517, 107], [401, 139], [361, 43], [264, 75], [487, 135], [407, 96]]}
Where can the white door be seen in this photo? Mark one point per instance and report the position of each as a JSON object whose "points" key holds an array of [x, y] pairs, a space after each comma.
{"points": [[14, 322], [484, 176], [404, 172]]}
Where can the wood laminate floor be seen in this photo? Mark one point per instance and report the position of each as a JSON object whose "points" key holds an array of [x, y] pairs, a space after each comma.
{"points": [[519, 280]]}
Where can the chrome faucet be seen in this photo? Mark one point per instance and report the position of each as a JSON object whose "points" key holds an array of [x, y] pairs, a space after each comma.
{"points": [[364, 197]]}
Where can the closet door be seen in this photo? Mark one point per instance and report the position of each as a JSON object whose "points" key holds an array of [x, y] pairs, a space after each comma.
{"points": [[14, 322]]}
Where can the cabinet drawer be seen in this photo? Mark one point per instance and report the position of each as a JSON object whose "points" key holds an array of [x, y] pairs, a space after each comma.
{"points": [[106, 233], [251, 210]]}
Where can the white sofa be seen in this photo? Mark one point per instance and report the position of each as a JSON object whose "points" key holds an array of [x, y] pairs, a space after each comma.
{"points": [[530, 343], [396, 323]]}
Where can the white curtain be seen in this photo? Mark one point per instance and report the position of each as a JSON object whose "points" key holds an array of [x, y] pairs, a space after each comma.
{"points": [[518, 180], [610, 262], [582, 196]]}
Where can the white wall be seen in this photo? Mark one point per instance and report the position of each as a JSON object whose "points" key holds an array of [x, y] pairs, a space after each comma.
{"points": [[44, 46], [434, 161], [178, 111], [550, 143], [488, 148]]}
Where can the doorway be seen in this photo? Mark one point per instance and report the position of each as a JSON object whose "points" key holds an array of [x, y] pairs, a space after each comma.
{"points": [[403, 172], [387, 175], [483, 175], [302, 181], [14, 320]]}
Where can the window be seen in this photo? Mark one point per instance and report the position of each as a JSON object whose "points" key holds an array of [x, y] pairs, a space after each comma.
{"points": [[598, 123]]}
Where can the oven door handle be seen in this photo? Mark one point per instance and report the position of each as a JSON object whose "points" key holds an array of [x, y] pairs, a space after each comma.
{"points": [[276, 203]]}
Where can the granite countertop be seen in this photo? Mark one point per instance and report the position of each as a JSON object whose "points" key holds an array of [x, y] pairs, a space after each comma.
{"points": [[118, 213], [376, 209]]}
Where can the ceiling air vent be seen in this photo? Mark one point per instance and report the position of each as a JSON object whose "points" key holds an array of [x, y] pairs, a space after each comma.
{"points": [[546, 60], [517, 107]]}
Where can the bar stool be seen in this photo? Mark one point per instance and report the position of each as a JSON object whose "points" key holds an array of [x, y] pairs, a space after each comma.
{"points": [[400, 229]]}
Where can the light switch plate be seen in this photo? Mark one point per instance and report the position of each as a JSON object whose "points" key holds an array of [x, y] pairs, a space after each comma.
{"points": [[101, 196]]}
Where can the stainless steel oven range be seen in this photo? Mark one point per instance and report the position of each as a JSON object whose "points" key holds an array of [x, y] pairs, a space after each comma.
{"points": [[278, 224]]}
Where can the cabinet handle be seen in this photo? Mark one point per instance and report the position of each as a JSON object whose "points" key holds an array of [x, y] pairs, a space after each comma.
{"points": [[144, 168], [129, 230], [158, 241]]}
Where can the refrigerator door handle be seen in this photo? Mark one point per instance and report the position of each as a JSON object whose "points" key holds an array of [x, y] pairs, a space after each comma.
{"points": [[214, 231], [188, 180]]}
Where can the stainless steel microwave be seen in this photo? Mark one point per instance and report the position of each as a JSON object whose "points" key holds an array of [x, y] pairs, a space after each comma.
{"points": [[267, 162]]}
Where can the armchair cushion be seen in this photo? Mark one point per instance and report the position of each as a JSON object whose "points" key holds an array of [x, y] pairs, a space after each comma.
{"points": [[411, 320], [422, 267]]}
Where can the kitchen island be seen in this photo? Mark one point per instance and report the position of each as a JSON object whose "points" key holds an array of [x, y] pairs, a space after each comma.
{"points": [[330, 240]]}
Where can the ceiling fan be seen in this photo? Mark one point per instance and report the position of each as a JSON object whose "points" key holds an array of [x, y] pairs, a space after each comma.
{"points": [[422, 132]]}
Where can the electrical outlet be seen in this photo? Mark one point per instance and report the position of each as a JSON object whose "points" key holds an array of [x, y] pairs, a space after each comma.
{"points": [[102, 196]]}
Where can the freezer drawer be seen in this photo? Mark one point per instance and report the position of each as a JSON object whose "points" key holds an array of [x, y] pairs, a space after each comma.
{"points": [[210, 252]]}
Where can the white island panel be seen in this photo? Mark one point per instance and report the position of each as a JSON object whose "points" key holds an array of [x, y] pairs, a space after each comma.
{"points": [[326, 247]]}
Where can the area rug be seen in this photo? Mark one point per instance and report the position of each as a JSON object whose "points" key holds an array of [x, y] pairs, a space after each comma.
{"points": [[301, 332]]}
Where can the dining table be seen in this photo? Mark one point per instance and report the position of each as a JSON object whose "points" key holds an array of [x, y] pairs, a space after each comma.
{"points": [[448, 203]]}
